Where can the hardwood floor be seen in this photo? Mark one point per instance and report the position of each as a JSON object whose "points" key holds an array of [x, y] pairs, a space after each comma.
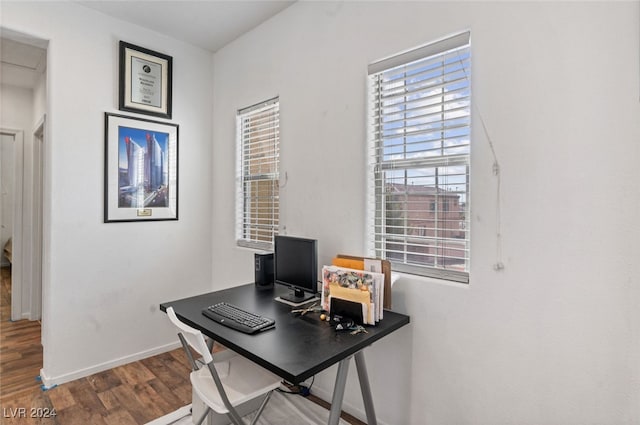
{"points": [[133, 394], [20, 349]]}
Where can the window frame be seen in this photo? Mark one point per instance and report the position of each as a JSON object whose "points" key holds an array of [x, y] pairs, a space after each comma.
{"points": [[248, 226], [379, 229]]}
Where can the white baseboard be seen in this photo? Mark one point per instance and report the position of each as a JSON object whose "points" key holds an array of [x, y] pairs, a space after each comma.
{"points": [[173, 416], [52, 381]]}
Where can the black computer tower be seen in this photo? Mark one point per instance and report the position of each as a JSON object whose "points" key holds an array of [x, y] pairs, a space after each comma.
{"points": [[263, 266]]}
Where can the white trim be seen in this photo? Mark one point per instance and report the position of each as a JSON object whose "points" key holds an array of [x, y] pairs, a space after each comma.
{"points": [[52, 381], [33, 248], [17, 263], [259, 106], [172, 417], [407, 56]]}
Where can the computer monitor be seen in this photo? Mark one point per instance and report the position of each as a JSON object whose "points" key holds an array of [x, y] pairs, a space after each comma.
{"points": [[296, 266]]}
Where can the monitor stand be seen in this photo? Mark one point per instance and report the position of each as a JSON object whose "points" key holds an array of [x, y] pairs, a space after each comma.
{"points": [[296, 298]]}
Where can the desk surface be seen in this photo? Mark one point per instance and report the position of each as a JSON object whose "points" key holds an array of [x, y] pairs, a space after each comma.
{"points": [[299, 346]]}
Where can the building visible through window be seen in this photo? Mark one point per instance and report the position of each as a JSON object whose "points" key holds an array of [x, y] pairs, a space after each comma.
{"points": [[420, 139], [257, 203]]}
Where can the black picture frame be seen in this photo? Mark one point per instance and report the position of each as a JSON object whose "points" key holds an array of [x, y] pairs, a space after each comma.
{"points": [[146, 81], [140, 169]]}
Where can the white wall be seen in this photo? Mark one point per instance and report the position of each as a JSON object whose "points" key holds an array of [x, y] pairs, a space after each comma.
{"points": [[103, 282], [554, 337]]}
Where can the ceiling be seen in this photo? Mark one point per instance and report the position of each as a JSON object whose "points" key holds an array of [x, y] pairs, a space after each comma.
{"points": [[209, 24], [22, 63]]}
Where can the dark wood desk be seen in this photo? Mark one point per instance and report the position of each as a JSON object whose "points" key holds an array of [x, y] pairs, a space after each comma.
{"points": [[299, 346]]}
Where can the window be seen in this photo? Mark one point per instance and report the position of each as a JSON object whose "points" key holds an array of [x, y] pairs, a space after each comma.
{"points": [[257, 200], [419, 154]]}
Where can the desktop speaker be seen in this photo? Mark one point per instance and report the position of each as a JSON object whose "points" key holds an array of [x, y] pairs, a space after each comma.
{"points": [[263, 266]]}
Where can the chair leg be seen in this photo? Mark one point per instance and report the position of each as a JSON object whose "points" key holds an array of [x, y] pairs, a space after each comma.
{"points": [[185, 346], [262, 406], [203, 417], [234, 419], [232, 413]]}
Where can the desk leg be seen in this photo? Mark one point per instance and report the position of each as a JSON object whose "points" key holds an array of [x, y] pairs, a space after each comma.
{"points": [[338, 391], [365, 388]]}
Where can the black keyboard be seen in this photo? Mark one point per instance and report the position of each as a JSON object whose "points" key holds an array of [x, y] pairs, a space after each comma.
{"points": [[234, 317]]}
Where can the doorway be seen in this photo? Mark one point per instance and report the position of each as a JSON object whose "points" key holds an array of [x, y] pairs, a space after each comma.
{"points": [[23, 92], [23, 78]]}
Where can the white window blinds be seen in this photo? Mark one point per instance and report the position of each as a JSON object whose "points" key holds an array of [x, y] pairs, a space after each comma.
{"points": [[419, 147], [257, 200]]}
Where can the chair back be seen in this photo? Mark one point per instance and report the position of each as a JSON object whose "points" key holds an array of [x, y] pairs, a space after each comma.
{"points": [[193, 336]]}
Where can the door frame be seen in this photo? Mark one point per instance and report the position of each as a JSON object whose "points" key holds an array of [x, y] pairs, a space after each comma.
{"points": [[17, 263], [36, 243]]}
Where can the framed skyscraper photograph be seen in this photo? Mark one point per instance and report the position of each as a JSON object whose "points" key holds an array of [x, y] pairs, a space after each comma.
{"points": [[141, 170]]}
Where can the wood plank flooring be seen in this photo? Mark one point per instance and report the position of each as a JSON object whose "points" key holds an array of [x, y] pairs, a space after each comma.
{"points": [[20, 349], [133, 394]]}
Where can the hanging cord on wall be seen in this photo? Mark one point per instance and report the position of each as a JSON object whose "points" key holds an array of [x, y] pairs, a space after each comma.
{"points": [[286, 180], [498, 265]]}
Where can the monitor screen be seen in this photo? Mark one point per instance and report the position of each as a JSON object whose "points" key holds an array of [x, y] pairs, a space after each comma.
{"points": [[296, 266]]}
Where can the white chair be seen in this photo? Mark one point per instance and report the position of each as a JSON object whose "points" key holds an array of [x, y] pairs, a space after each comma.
{"points": [[228, 380]]}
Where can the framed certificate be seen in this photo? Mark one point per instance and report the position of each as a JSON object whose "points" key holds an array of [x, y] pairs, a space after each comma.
{"points": [[145, 81], [140, 170]]}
